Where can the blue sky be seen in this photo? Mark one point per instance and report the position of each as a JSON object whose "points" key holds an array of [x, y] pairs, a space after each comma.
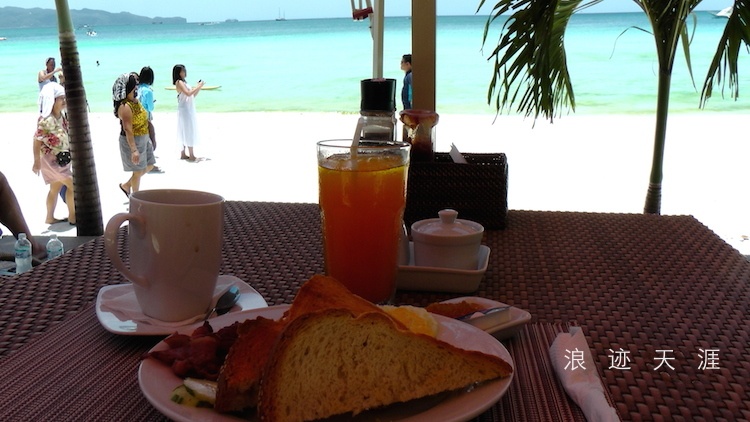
{"points": [[219, 10]]}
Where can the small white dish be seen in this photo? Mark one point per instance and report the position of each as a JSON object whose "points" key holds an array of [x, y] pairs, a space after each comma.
{"points": [[434, 279], [118, 322], [499, 325], [447, 241]]}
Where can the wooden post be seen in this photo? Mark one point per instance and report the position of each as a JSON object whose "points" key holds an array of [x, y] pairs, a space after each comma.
{"points": [[423, 27], [377, 22]]}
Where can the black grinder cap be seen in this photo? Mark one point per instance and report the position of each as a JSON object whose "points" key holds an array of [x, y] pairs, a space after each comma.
{"points": [[378, 95]]}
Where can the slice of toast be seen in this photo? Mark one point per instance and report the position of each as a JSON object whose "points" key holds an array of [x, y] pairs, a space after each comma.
{"points": [[337, 361], [239, 379]]}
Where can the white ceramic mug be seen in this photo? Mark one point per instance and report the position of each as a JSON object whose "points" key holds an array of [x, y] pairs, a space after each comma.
{"points": [[174, 244]]}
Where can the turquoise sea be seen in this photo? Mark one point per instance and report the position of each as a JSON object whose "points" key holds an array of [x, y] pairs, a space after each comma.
{"points": [[316, 65]]}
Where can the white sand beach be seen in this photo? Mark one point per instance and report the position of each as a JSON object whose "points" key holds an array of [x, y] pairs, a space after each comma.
{"points": [[579, 163]]}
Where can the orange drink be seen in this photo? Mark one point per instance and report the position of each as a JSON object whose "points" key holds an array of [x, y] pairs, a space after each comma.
{"points": [[362, 199]]}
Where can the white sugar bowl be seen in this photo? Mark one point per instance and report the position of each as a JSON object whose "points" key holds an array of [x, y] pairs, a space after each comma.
{"points": [[447, 242]]}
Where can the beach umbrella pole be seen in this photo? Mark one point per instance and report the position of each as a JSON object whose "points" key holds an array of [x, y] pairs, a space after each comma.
{"points": [[376, 15], [377, 39]]}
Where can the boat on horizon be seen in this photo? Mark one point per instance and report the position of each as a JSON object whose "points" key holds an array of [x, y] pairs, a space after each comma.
{"points": [[281, 16], [725, 12]]}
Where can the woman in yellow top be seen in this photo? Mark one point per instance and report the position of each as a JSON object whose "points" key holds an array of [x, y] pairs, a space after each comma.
{"points": [[136, 151]]}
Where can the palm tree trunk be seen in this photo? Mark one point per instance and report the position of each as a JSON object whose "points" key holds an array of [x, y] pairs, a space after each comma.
{"points": [[87, 202], [653, 196]]}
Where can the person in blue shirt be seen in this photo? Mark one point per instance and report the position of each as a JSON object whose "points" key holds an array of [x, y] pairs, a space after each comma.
{"points": [[406, 90], [146, 97]]}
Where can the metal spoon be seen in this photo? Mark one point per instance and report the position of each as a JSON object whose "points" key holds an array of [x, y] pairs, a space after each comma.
{"points": [[467, 317], [225, 303]]}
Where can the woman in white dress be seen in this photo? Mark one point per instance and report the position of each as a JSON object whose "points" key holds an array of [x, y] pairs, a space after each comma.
{"points": [[187, 128]]}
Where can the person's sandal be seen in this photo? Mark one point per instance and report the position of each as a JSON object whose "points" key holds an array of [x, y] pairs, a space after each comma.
{"points": [[124, 191]]}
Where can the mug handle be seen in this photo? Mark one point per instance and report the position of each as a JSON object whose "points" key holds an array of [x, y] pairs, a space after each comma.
{"points": [[110, 244]]}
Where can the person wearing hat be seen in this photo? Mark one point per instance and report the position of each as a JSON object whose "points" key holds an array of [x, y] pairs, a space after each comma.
{"points": [[52, 150]]}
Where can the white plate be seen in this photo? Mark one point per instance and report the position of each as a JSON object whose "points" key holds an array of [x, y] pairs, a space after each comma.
{"points": [[499, 328], [434, 279], [157, 380], [118, 323]]}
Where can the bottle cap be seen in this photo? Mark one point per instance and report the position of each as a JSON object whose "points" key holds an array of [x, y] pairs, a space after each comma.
{"points": [[378, 94]]}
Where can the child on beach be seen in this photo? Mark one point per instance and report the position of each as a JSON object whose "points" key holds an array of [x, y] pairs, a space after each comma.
{"points": [[406, 89], [187, 128], [146, 97]]}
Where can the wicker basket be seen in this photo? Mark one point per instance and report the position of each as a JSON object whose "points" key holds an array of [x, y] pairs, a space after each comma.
{"points": [[477, 190]]}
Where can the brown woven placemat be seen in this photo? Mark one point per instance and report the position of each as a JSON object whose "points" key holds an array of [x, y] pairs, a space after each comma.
{"points": [[76, 372], [642, 283], [536, 393], [79, 371]]}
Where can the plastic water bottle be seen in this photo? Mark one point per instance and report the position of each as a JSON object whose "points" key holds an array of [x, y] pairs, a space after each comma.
{"points": [[54, 247], [23, 254]]}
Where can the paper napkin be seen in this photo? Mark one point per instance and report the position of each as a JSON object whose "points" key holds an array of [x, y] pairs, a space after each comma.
{"points": [[123, 304], [575, 368]]}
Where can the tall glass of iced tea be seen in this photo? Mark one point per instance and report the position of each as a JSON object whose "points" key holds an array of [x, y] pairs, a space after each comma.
{"points": [[362, 199]]}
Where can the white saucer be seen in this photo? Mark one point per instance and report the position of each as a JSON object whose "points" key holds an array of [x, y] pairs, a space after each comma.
{"points": [[119, 323], [434, 279], [499, 325]]}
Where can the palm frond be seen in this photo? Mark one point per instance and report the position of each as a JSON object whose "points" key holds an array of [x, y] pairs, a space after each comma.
{"points": [[667, 18], [724, 66], [530, 65], [687, 39]]}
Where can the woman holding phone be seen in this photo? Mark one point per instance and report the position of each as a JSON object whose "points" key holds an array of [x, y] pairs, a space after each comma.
{"points": [[187, 128]]}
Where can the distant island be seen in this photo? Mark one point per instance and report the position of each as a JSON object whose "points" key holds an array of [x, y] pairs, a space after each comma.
{"points": [[17, 17]]}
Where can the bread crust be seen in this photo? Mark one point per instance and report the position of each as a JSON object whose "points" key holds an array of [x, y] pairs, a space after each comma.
{"points": [[321, 293], [239, 379]]}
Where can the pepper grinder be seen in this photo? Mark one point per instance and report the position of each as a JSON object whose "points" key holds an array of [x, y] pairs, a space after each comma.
{"points": [[377, 108]]}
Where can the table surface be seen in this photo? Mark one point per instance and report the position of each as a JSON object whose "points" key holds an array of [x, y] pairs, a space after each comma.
{"points": [[650, 286]]}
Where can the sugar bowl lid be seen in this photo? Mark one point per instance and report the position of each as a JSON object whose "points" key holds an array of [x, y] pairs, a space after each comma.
{"points": [[448, 226]]}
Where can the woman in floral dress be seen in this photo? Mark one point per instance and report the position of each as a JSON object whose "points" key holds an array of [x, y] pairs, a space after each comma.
{"points": [[51, 139]]}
